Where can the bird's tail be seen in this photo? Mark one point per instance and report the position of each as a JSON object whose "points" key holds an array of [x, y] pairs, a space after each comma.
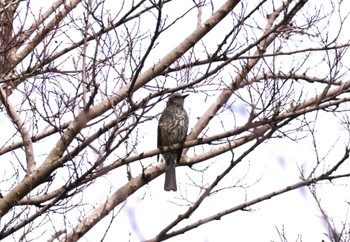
{"points": [[170, 179]]}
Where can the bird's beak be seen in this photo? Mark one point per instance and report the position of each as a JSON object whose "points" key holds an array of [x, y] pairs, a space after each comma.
{"points": [[184, 96]]}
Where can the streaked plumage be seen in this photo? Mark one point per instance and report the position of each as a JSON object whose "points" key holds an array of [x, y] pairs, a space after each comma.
{"points": [[172, 129]]}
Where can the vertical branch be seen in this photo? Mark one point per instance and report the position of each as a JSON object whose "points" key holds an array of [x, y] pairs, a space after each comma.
{"points": [[333, 234], [83, 73], [200, 12], [7, 42], [27, 141]]}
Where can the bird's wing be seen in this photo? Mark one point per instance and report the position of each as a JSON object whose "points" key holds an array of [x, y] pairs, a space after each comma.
{"points": [[159, 141], [179, 151], [163, 136], [164, 122]]}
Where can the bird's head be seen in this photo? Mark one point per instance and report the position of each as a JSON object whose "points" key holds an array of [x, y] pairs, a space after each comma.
{"points": [[176, 99]]}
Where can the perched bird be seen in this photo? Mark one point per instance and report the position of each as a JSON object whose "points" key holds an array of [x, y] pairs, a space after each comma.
{"points": [[172, 129]]}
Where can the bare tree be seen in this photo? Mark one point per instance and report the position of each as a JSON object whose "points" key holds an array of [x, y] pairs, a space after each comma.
{"points": [[83, 83]]}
